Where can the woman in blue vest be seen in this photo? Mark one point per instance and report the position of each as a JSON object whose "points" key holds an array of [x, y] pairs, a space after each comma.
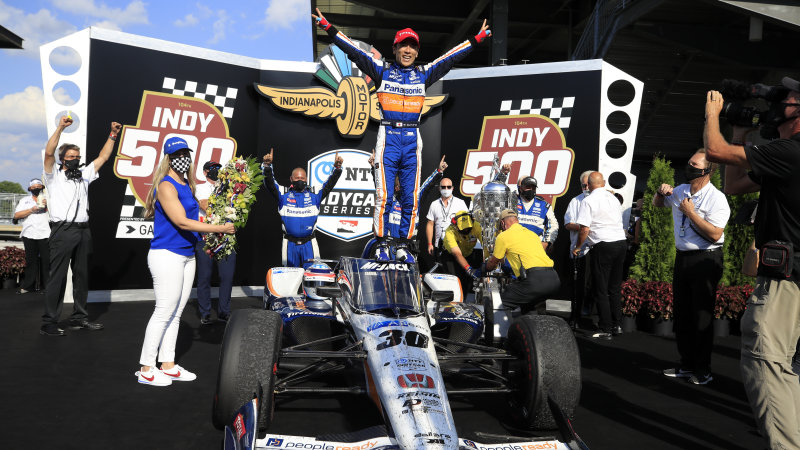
{"points": [[175, 210]]}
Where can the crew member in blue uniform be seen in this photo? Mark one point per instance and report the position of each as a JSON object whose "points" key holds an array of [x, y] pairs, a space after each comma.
{"points": [[401, 97], [298, 206], [533, 212]]}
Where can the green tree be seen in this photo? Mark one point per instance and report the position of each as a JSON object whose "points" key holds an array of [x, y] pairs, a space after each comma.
{"points": [[11, 187], [738, 238], [656, 254]]}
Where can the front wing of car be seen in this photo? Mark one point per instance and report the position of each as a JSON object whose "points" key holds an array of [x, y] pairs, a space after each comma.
{"points": [[241, 436]]}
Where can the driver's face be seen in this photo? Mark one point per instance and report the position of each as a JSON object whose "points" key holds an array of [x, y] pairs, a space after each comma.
{"points": [[405, 52], [298, 175]]}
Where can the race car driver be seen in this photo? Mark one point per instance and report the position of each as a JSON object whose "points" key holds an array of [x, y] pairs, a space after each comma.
{"points": [[533, 211], [401, 95], [298, 207]]}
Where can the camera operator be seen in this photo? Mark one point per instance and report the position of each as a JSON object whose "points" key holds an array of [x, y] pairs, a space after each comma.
{"points": [[771, 323]]}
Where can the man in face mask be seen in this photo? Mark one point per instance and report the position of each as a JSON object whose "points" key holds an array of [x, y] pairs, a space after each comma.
{"points": [[70, 238], [35, 233], [205, 263], [298, 206], [440, 213], [534, 212], [771, 322], [459, 257], [581, 303], [699, 214]]}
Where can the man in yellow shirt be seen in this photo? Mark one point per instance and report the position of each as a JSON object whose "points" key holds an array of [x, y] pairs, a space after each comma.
{"points": [[459, 241], [522, 248]]}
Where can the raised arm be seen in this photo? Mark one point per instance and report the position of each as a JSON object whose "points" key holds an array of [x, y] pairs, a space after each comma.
{"points": [[331, 182], [441, 65], [365, 61], [269, 177], [432, 180], [52, 143], [717, 148], [105, 152]]}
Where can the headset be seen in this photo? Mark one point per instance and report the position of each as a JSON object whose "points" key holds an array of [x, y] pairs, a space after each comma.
{"points": [[455, 218]]}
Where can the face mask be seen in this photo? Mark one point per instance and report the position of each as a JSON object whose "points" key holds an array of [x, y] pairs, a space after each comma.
{"points": [[528, 195], [36, 191], [73, 171], [446, 193], [693, 172], [181, 164], [298, 185]]}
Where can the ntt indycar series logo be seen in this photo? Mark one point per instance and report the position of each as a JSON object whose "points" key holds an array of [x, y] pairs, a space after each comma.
{"points": [[346, 213]]}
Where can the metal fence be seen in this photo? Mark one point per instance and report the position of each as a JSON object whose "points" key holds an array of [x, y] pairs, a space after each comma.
{"points": [[8, 203]]}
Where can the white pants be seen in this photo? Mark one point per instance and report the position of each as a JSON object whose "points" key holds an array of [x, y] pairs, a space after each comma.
{"points": [[173, 276]]}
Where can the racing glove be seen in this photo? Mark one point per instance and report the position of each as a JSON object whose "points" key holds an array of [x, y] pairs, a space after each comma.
{"points": [[324, 24], [482, 35]]}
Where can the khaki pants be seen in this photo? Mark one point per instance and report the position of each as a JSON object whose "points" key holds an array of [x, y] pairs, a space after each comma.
{"points": [[770, 329]]}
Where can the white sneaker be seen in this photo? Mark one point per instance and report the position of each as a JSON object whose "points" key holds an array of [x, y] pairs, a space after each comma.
{"points": [[178, 373], [153, 377]]}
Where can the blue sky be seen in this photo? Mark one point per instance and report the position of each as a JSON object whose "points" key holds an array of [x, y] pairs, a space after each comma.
{"points": [[269, 29]]}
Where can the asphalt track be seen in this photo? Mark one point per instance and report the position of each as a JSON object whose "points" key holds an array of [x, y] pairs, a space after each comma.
{"points": [[79, 391]]}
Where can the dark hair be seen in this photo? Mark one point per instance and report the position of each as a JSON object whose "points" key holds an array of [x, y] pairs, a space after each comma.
{"points": [[64, 149]]}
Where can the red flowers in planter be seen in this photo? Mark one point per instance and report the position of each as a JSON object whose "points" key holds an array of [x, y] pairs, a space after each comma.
{"points": [[655, 297], [12, 261], [731, 301]]}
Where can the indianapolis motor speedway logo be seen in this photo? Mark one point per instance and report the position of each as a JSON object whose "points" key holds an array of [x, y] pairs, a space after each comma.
{"points": [[350, 97]]}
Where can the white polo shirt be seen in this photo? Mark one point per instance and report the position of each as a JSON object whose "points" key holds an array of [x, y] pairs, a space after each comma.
{"points": [[600, 212], [203, 192], [36, 225], [571, 216], [68, 196], [441, 215], [710, 204]]}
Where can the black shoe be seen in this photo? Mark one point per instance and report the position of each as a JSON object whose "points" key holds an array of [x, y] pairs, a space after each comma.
{"points": [[206, 320], [51, 329], [616, 331], [223, 317], [85, 325]]}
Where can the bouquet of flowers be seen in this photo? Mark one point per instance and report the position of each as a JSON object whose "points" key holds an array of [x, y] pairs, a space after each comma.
{"points": [[233, 196]]}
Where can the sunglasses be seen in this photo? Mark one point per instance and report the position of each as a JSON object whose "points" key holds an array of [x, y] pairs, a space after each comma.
{"points": [[446, 187]]}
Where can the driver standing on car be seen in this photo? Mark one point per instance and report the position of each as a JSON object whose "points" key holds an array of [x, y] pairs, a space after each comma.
{"points": [[298, 207], [533, 269]]}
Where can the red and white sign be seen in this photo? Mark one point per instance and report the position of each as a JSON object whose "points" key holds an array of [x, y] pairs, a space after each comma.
{"points": [[532, 144]]}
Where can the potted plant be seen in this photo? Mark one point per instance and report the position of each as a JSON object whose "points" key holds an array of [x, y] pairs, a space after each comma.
{"points": [[12, 263], [631, 304], [657, 297], [729, 304]]}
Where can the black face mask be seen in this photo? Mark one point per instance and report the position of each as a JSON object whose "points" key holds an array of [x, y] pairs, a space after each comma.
{"points": [[36, 191], [73, 169], [693, 172], [298, 185], [528, 195]]}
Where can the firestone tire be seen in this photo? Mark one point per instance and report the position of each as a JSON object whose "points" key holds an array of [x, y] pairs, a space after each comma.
{"points": [[549, 365], [248, 358]]}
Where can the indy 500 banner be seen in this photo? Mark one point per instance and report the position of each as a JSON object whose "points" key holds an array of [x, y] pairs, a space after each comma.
{"points": [[546, 120]]}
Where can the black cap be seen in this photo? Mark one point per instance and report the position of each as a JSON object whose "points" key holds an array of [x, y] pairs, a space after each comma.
{"points": [[210, 164]]}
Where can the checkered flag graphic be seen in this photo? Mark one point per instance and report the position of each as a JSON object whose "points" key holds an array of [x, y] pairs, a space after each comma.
{"points": [[130, 206], [221, 97], [559, 109]]}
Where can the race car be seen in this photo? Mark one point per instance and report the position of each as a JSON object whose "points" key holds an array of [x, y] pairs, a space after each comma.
{"points": [[409, 341]]}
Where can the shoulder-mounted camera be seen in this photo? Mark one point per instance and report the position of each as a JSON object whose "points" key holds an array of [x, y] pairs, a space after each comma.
{"points": [[738, 114]]}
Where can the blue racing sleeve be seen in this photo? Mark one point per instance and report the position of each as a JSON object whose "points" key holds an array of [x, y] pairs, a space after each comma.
{"points": [[365, 61]]}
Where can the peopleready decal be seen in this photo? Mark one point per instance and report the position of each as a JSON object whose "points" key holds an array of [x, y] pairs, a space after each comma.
{"points": [[349, 97], [531, 144], [162, 116], [346, 213]]}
